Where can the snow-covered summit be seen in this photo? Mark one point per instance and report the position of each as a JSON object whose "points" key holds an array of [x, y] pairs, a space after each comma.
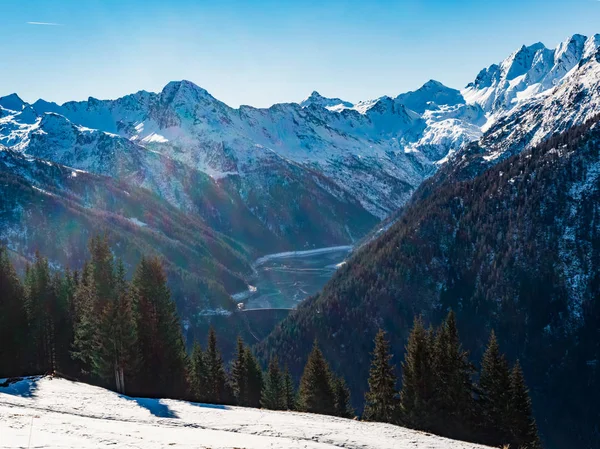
{"points": [[333, 104], [431, 95], [56, 413], [528, 72]]}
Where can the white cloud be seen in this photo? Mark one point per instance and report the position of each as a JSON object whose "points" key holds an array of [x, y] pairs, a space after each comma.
{"points": [[45, 23]]}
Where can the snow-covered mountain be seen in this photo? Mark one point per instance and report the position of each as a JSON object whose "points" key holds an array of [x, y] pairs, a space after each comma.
{"points": [[56, 413], [318, 173]]}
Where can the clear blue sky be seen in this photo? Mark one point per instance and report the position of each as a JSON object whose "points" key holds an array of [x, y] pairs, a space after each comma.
{"points": [[261, 52]]}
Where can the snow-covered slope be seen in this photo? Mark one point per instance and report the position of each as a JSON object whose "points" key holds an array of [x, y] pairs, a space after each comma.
{"points": [[56, 413], [313, 174], [528, 72]]}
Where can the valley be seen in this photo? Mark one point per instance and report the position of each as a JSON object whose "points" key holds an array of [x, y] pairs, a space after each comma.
{"points": [[283, 280]]}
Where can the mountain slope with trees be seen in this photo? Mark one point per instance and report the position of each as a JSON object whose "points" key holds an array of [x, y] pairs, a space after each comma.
{"points": [[513, 249]]}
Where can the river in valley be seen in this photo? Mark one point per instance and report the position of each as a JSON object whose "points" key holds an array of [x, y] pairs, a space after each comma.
{"points": [[284, 279]]}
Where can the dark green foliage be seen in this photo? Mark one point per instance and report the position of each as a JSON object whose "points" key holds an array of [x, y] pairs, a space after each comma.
{"points": [[273, 394], [198, 374], [288, 388], [343, 408], [13, 320], [316, 394], [239, 374], [116, 355], [163, 366], [494, 395], [215, 371], [381, 401], [523, 428], [85, 324], [493, 246], [255, 383], [452, 403], [418, 379]]}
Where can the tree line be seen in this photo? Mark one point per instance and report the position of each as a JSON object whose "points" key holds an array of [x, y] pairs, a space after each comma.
{"points": [[97, 326], [439, 394]]}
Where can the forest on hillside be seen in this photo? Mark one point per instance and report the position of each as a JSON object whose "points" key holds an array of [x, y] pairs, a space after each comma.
{"points": [[515, 249]]}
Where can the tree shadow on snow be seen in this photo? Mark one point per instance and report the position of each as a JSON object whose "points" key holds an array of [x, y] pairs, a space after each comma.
{"points": [[154, 406], [213, 406], [21, 386]]}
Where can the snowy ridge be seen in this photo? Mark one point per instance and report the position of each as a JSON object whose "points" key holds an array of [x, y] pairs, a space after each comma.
{"points": [[57, 413], [371, 155]]}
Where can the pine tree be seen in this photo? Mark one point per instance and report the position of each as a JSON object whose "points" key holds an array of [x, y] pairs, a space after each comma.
{"points": [[343, 408], [13, 320], [103, 269], [85, 322], [116, 337], [418, 382], [316, 393], [239, 374], [288, 388], [494, 386], [453, 402], [523, 427], [273, 394], [163, 370], [255, 379], [381, 401], [198, 374], [215, 370]]}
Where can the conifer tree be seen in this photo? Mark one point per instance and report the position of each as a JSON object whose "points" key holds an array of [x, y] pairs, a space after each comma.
{"points": [[289, 393], [494, 386], [13, 320], [116, 337], [452, 403], [85, 321], [273, 394], [255, 380], [316, 393], [215, 370], [164, 362], [523, 427], [198, 374], [381, 401], [103, 269], [343, 408], [239, 374], [418, 381]]}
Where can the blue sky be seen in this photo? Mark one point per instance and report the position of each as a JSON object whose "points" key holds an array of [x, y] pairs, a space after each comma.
{"points": [[261, 52]]}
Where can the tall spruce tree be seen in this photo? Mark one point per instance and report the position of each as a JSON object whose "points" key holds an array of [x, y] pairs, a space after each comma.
{"points": [[216, 376], [288, 387], [198, 374], [85, 323], [13, 320], [381, 401], [255, 379], [494, 395], [524, 431], [453, 404], [164, 362], [343, 407], [273, 394], [316, 394], [116, 338], [418, 380], [239, 374]]}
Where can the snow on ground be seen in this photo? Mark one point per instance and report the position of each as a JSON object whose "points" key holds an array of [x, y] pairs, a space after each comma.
{"points": [[56, 413]]}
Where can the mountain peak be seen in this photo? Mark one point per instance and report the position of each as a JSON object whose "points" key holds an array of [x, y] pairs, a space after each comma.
{"points": [[316, 99], [431, 95], [12, 102]]}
